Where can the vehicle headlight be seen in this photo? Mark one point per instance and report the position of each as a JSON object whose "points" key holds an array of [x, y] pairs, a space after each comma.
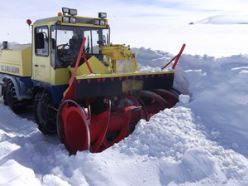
{"points": [[65, 10], [73, 12], [97, 22], [72, 20], [102, 15], [102, 22], [65, 19]]}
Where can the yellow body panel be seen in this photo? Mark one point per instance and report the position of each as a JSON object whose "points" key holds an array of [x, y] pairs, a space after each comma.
{"points": [[16, 61], [96, 66], [42, 71], [122, 58], [60, 76], [41, 68], [117, 52]]}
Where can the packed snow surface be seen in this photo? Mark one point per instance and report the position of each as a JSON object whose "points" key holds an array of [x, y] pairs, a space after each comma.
{"points": [[201, 141]]}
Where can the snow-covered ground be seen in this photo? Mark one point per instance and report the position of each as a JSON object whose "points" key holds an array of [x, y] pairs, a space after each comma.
{"points": [[202, 141]]}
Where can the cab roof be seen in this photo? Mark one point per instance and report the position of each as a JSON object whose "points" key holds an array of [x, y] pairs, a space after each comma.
{"points": [[80, 21]]}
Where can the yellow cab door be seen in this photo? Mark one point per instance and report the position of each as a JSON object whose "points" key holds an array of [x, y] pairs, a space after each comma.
{"points": [[41, 55]]}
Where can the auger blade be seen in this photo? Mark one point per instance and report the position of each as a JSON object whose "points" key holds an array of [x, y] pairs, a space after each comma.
{"points": [[170, 97]]}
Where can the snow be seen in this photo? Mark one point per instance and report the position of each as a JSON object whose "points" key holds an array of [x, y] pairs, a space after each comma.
{"points": [[201, 141]]}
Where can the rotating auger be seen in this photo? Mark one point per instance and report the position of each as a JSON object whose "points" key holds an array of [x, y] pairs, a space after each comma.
{"points": [[97, 121]]}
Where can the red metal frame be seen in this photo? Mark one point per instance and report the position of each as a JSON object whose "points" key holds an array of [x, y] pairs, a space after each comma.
{"points": [[71, 89], [175, 58]]}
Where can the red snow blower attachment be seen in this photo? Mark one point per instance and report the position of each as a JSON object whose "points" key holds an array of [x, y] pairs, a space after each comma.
{"points": [[99, 110]]}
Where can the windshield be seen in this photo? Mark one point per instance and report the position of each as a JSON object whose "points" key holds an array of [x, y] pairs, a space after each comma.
{"points": [[66, 42]]}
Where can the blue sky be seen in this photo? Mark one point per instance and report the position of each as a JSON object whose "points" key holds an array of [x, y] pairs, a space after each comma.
{"points": [[135, 22]]}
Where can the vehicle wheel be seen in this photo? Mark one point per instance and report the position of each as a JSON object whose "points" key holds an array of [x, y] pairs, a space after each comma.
{"points": [[3, 92], [9, 96], [45, 113]]}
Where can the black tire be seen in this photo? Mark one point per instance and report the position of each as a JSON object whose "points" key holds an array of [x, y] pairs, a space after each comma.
{"points": [[4, 92], [9, 96], [45, 113]]}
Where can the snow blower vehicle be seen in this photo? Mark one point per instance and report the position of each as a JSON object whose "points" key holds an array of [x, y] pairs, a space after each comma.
{"points": [[81, 86]]}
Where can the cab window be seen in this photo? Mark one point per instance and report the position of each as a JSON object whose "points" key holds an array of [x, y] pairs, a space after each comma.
{"points": [[66, 42], [41, 41]]}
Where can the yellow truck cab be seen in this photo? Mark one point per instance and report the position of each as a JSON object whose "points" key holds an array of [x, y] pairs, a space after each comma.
{"points": [[56, 42]]}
